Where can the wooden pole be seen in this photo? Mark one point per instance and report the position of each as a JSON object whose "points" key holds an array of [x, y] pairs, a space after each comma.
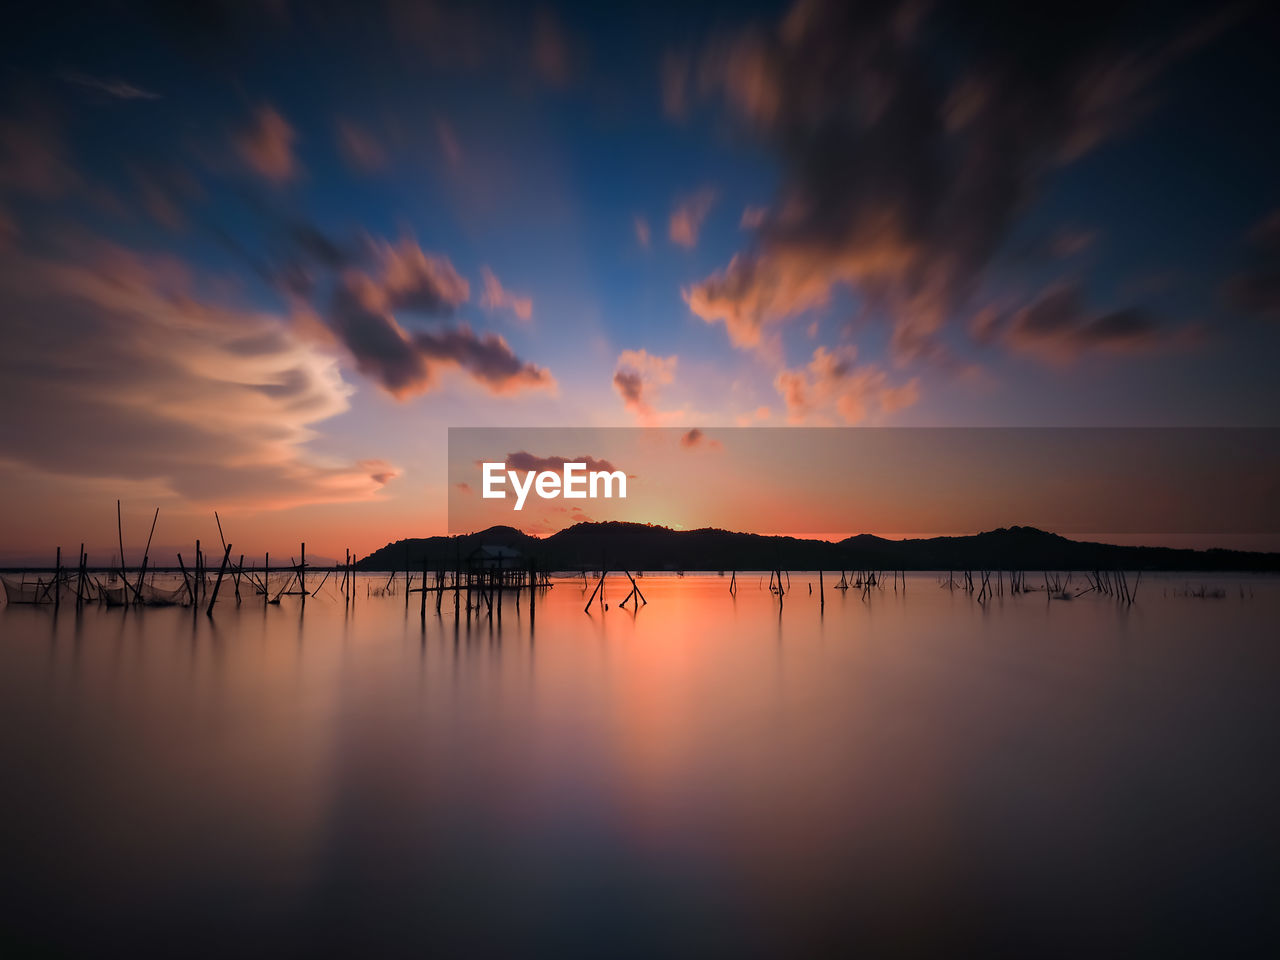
{"points": [[599, 584], [226, 555], [146, 554], [120, 535], [185, 582]]}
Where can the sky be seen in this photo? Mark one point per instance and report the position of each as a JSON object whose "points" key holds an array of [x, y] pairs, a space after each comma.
{"points": [[259, 257]]}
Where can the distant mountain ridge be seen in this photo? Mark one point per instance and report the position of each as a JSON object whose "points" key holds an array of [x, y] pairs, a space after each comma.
{"points": [[638, 546]]}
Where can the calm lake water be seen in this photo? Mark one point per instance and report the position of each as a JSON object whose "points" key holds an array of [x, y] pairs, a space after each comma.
{"points": [[909, 773]]}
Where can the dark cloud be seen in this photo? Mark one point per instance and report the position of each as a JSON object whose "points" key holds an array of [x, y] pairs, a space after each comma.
{"points": [[692, 438], [487, 358], [629, 386], [404, 361], [1059, 326], [910, 143], [695, 439], [380, 348], [373, 295], [1256, 289]]}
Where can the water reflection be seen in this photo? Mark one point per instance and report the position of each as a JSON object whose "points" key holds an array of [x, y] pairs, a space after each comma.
{"points": [[706, 773]]}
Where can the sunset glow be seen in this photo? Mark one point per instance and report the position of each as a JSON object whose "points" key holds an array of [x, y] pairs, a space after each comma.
{"points": [[230, 290]]}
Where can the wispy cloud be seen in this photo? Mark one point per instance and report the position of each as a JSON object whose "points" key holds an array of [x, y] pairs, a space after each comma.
{"points": [[449, 143], [359, 148], [493, 296], [1058, 326], [137, 377], [832, 387], [686, 219], [406, 361], [112, 87], [266, 144], [638, 377], [905, 161]]}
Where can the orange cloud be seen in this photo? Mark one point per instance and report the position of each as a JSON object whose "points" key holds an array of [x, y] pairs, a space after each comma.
{"points": [[266, 145], [415, 280], [686, 218], [901, 191], [832, 384], [136, 378], [638, 377], [494, 297]]}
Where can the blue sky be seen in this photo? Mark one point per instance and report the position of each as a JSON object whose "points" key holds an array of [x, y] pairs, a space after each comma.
{"points": [[893, 214]]}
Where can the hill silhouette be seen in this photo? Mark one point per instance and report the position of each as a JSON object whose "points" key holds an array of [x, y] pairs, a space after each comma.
{"points": [[638, 546]]}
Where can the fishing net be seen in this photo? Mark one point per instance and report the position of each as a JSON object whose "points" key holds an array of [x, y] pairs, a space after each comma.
{"points": [[154, 596], [19, 590]]}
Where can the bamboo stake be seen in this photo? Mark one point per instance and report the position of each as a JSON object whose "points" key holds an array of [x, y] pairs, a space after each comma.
{"points": [[120, 535], [226, 555], [599, 584], [185, 582]]}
